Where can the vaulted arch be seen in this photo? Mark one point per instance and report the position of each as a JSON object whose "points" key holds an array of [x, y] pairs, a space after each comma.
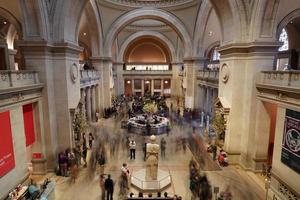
{"points": [[148, 13], [153, 34]]}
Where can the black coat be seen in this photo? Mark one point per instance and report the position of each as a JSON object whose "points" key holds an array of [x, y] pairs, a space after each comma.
{"points": [[109, 185]]}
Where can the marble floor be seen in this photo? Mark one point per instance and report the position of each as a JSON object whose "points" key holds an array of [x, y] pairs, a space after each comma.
{"points": [[242, 184]]}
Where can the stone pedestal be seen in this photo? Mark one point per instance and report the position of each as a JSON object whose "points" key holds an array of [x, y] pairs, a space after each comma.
{"points": [[39, 166]]}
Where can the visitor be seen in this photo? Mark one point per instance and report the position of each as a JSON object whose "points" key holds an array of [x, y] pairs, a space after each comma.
{"points": [[158, 194], [97, 116], [165, 194], [73, 166], [77, 155], [163, 144], [214, 149], [205, 188], [148, 128], [222, 158], [62, 161], [91, 139], [132, 146], [109, 188], [101, 160], [84, 155], [226, 194], [83, 140], [145, 150], [140, 194], [33, 190], [125, 170], [102, 186]]}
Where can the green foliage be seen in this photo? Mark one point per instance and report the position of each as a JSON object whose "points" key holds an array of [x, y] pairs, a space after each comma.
{"points": [[150, 108], [79, 123], [218, 123]]}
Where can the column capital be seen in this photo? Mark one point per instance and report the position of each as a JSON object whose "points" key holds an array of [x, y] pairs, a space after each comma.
{"points": [[249, 49], [43, 47]]}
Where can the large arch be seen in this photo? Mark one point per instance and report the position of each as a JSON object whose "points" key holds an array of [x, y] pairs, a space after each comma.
{"points": [[95, 34], [288, 18], [233, 17], [140, 34], [148, 13], [200, 27]]}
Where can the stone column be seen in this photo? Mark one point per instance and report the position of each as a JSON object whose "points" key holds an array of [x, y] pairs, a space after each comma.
{"points": [[152, 86], [143, 87], [88, 104], [93, 103], [162, 86], [104, 66], [175, 81], [58, 68], [11, 58], [120, 79], [239, 75], [132, 85], [82, 99]]}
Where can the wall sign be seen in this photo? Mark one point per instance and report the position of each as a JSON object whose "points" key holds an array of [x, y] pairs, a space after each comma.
{"points": [[290, 154], [29, 124], [7, 159]]}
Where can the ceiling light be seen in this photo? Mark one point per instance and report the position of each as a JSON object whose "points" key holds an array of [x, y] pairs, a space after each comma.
{"points": [[84, 33], [128, 82], [5, 22], [147, 82], [166, 82], [210, 33]]}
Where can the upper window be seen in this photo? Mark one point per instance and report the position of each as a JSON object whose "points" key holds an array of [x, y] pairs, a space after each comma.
{"points": [[284, 38], [216, 55]]}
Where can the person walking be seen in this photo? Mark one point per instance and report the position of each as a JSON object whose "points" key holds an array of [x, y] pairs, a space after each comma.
{"points": [[84, 155], [132, 146], [109, 188], [163, 145], [102, 186], [91, 139]]}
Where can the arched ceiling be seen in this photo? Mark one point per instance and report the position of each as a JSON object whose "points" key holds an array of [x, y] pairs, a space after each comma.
{"points": [[149, 3], [147, 50]]}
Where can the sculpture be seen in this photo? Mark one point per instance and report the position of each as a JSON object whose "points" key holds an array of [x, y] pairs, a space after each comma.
{"points": [[152, 150]]}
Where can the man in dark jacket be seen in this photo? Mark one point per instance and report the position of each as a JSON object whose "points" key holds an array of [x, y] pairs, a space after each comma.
{"points": [[109, 187]]}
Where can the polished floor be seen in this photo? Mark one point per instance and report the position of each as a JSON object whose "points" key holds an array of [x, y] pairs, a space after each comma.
{"points": [[243, 185]]}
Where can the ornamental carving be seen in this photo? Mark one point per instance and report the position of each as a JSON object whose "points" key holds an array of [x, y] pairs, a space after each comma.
{"points": [[74, 72], [149, 3], [225, 73]]}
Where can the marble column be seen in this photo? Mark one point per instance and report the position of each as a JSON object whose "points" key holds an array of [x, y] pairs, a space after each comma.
{"points": [[143, 87], [93, 103], [54, 62], [82, 99], [162, 86], [120, 80], [11, 58], [175, 81], [152, 87], [88, 104], [241, 76]]}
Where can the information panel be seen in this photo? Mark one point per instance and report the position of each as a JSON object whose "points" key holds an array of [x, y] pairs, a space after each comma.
{"points": [[290, 154], [7, 160]]}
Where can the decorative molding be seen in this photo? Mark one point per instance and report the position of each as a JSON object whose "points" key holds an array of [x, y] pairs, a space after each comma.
{"points": [[149, 3]]}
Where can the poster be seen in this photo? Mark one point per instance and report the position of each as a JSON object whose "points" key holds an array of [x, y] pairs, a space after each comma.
{"points": [[7, 160], [290, 154]]}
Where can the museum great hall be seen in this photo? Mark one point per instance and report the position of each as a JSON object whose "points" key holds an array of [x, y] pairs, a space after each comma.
{"points": [[150, 99]]}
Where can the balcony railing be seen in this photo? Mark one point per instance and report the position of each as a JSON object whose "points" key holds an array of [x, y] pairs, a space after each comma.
{"points": [[147, 72], [10, 79], [280, 79], [89, 77], [208, 75]]}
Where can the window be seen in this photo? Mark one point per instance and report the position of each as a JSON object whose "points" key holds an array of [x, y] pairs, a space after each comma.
{"points": [[216, 55], [284, 38]]}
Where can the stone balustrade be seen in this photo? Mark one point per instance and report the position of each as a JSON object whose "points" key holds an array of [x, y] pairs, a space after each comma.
{"points": [[147, 72], [89, 77], [208, 75], [10, 79], [282, 79]]}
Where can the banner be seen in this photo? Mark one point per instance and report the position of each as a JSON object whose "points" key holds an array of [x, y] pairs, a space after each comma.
{"points": [[290, 154], [7, 159], [28, 124]]}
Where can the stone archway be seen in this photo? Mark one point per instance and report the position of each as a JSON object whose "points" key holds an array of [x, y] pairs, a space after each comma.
{"points": [[148, 13], [153, 34]]}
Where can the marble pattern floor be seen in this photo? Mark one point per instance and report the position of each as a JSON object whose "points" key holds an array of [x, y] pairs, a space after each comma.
{"points": [[242, 186]]}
